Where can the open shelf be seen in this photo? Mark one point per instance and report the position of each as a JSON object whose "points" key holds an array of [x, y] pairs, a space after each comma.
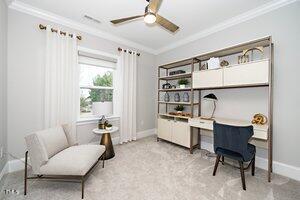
{"points": [[234, 86], [174, 90], [178, 64], [176, 103], [177, 76], [174, 116]]}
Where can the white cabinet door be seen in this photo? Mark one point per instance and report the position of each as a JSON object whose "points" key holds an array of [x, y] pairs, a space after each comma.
{"points": [[164, 129], [247, 74], [181, 133], [208, 78]]}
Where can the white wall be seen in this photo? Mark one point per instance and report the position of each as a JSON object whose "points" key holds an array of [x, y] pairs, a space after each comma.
{"points": [[283, 26], [3, 71], [26, 43]]}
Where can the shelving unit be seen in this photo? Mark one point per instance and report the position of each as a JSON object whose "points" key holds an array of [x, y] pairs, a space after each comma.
{"points": [[175, 128], [221, 80]]}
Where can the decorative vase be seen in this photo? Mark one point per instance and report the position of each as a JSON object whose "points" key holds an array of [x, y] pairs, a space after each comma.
{"points": [[176, 97], [186, 97], [181, 86], [108, 128], [167, 97]]}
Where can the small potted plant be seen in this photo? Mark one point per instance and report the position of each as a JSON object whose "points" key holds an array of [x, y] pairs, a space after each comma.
{"points": [[108, 127], [179, 109], [182, 83]]}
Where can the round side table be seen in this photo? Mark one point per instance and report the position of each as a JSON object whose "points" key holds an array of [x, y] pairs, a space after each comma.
{"points": [[106, 140]]}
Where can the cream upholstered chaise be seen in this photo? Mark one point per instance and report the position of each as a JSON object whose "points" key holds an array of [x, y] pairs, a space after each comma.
{"points": [[55, 154]]}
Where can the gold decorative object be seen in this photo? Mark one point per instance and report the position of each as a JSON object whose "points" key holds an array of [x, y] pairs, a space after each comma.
{"points": [[245, 58], [204, 66], [224, 63], [259, 119], [182, 114]]}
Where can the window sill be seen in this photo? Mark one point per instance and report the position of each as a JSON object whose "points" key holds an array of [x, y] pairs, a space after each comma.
{"points": [[93, 120]]}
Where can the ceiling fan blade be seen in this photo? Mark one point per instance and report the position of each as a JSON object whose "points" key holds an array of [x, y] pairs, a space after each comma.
{"points": [[154, 5], [166, 23], [118, 21]]}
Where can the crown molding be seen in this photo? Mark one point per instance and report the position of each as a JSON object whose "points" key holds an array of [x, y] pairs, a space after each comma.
{"points": [[43, 14], [273, 5]]}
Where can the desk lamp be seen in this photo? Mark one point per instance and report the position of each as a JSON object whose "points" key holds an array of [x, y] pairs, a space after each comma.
{"points": [[212, 98]]}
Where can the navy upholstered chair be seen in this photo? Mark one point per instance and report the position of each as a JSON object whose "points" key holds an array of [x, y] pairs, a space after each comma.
{"points": [[232, 142]]}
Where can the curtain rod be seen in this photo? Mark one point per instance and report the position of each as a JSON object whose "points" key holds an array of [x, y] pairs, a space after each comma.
{"points": [[42, 27], [120, 49]]}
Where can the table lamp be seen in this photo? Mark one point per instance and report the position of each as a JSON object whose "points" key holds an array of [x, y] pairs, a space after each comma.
{"points": [[102, 109], [213, 99]]}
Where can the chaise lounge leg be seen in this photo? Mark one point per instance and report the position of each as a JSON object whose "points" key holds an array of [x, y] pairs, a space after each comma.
{"points": [[103, 159], [25, 173], [242, 174], [223, 160], [82, 187], [216, 164]]}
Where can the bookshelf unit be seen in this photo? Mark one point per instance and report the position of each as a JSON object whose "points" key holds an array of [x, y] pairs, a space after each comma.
{"points": [[254, 74], [171, 123]]}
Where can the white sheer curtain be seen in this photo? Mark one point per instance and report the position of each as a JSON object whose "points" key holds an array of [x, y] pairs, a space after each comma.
{"points": [[126, 95], [61, 81]]}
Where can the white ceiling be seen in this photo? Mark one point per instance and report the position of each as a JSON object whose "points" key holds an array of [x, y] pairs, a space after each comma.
{"points": [[192, 16]]}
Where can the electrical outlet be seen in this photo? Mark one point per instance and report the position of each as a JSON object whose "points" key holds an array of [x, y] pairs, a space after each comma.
{"points": [[142, 122]]}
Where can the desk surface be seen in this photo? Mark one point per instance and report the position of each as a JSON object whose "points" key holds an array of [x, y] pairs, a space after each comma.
{"points": [[260, 131]]}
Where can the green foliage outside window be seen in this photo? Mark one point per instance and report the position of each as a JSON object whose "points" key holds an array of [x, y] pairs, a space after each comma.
{"points": [[100, 95]]}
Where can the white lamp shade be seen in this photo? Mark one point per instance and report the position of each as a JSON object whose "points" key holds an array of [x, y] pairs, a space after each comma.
{"points": [[102, 108]]}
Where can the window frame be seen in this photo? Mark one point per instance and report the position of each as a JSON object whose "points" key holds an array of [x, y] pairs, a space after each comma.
{"points": [[92, 118]]}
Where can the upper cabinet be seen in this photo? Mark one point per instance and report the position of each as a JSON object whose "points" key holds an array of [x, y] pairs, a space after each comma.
{"points": [[208, 78], [252, 73], [246, 74]]}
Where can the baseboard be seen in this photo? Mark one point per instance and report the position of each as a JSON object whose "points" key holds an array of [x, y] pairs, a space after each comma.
{"points": [[146, 133], [278, 167], [17, 165], [4, 171], [141, 134]]}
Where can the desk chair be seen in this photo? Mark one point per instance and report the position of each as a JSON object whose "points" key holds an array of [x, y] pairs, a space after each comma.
{"points": [[232, 142]]}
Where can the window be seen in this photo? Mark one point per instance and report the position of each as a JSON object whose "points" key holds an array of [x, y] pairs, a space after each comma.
{"points": [[96, 87]]}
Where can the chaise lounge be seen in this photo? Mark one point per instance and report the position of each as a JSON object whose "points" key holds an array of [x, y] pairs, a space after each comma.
{"points": [[54, 154]]}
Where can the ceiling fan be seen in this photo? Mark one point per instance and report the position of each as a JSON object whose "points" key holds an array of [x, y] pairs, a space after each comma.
{"points": [[151, 17]]}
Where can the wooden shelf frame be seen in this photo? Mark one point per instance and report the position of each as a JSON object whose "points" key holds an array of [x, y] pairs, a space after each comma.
{"points": [[175, 89], [266, 42], [177, 103], [177, 76], [173, 116]]}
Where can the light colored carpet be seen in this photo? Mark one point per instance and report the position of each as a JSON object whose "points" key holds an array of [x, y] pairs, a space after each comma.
{"points": [[152, 170]]}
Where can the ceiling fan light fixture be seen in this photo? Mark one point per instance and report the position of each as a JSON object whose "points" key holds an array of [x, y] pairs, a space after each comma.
{"points": [[150, 18]]}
